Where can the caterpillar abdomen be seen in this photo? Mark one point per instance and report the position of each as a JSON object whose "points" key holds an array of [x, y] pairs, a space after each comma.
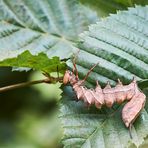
{"points": [[107, 96]]}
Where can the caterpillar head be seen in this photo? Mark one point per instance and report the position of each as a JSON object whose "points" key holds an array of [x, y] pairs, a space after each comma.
{"points": [[67, 77]]}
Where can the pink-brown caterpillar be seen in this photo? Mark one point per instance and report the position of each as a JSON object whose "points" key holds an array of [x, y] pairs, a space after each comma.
{"points": [[108, 96]]}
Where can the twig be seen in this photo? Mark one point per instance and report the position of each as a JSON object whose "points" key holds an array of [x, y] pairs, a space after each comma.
{"points": [[25, 84]]}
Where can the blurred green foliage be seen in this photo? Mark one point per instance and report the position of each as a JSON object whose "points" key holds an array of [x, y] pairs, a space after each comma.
{"points": [[28, 118], [105, 7], [49, 92]]}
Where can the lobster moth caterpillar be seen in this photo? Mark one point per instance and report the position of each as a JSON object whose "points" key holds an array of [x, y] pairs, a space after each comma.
{"points": [[108, 96]]}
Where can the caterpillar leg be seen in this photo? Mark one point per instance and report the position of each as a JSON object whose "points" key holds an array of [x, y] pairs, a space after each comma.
{"points": [[75, 68], [89, 72], [74, 64]]}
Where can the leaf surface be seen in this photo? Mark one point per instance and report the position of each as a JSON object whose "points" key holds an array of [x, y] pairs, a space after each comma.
{"points": [[45, 26], [90, 128], [119, 44]]}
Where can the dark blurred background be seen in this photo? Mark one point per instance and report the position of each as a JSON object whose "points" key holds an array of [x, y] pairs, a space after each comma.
{"points": [[28, 116]]}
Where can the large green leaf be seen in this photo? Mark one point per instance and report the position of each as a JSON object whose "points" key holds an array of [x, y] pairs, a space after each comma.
{"points": [[91, 128], [119, 44], [49, 26]]}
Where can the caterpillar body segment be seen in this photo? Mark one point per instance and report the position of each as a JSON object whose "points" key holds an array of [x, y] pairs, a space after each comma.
{"points": [[108, 96], [133, 108]]}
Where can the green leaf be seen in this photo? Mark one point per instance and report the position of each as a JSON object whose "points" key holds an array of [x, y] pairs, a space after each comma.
{"points": [[39, 26], [120, 44], [38, 62], [90, 128]]}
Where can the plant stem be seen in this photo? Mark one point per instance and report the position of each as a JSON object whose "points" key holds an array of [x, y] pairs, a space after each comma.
{"points": [[25, 84]]}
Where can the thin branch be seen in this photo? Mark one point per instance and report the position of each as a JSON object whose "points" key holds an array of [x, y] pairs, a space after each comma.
{"points": [[25, 84]]}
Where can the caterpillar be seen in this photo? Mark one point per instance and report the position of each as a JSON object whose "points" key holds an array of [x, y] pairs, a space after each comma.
{"points": [[108, 96]]}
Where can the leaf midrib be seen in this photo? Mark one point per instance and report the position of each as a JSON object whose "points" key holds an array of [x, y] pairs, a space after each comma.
{"points": [[96, 130]]}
